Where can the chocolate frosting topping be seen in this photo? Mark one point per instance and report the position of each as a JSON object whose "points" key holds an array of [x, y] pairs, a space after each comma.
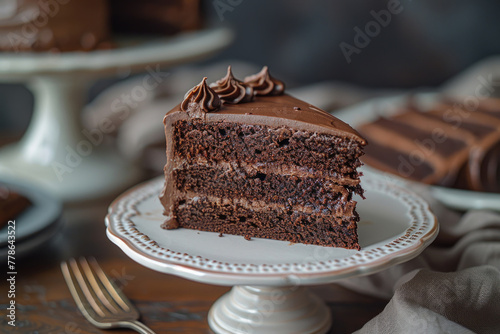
{"points": [[264, 84], [200, 99], [232, 90], [278, 110]]}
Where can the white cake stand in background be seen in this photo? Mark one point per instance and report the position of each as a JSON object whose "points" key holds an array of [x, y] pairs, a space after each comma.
{"points": [[269, 276], [55, 152]]}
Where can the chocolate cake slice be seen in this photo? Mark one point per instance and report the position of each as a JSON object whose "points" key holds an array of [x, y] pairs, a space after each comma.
{"points": [[244, 158], [447, 144]]}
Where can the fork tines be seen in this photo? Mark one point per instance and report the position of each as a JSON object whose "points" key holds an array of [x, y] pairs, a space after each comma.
{"points": [[95, 294]]}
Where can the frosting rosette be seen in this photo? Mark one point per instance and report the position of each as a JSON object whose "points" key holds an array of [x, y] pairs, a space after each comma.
{"points": [[264, 84], [201, 98], [232, 90]]}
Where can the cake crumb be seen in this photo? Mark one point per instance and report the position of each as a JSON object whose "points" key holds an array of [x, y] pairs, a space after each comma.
{"points": [[247, 237], [221, 235]]}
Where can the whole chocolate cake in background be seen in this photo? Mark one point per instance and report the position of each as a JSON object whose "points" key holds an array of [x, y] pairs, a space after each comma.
{"points": [[244, 158], [447, 145], [37, 25], [163, 17], [84, 25]]}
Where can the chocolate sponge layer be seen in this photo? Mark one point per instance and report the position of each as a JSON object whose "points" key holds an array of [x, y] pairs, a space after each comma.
{"points": [[257, 144], [200, 213], [314, 194]]}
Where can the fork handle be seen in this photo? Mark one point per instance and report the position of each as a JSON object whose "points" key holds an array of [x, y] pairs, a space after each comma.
{"points": [[138, 327]]}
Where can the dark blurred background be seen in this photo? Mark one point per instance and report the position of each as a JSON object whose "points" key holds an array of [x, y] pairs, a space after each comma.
{"points": [[423, 43]]}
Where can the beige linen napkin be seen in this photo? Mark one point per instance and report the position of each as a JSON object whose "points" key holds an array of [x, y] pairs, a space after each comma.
{"points": [[426, 301]]}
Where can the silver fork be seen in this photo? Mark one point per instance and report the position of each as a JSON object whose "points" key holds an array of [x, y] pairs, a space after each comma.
{"points": [[98, 298]]}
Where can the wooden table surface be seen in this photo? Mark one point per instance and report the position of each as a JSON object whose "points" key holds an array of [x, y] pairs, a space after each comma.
{"points": [[168, 304]]}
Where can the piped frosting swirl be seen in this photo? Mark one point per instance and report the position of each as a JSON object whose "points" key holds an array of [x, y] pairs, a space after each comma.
{"points": [[232, 90], [264, 84], [200, 99]]}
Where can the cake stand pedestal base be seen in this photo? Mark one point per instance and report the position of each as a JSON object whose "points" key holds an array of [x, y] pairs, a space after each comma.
{"points": [[58, 153], [264, 309]]}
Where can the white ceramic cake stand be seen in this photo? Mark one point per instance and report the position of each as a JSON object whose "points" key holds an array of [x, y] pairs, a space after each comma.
{"points": [[54, 152], [269, 276]]}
